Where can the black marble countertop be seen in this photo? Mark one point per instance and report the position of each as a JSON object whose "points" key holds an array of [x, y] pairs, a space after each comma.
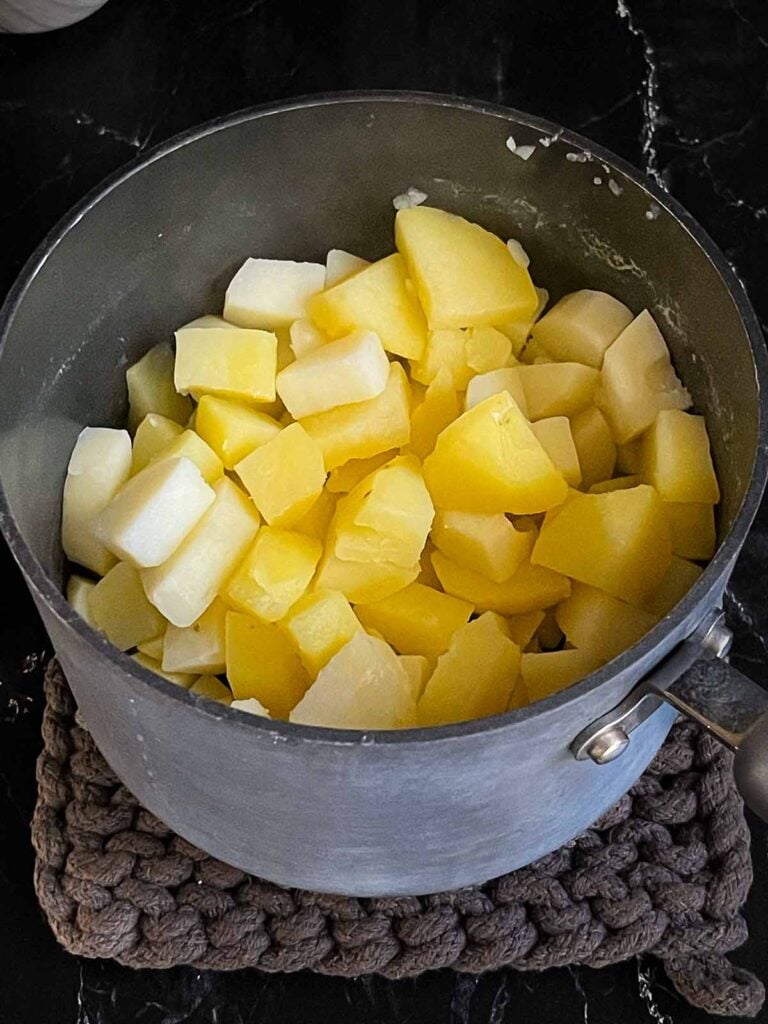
{"points": [[677, 87]]}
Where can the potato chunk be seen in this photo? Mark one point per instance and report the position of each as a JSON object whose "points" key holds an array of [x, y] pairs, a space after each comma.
{"points": [[271, 293], [484, 385], [594, 445], [487, 544], [556, 439], [529, 589], [284, 476], [679, 579], [153, 434], [551, 671], [232, 429], [262, 663], [439, 407], [319, 625], [227, 362], [596, 622], [340, 264], [189, 445], [199, 647], [120, 609], [581, 326], [363, 581], [676, 458], [693, 529], [557, 389], [78, 594], [151, 388], [417, 619], [274, 574]]}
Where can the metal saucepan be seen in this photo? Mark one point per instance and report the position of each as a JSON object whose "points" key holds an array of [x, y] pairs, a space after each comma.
{"points": [[343, 811]]}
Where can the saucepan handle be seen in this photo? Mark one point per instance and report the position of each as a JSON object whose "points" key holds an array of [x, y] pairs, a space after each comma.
{"points": [[698, 682]]}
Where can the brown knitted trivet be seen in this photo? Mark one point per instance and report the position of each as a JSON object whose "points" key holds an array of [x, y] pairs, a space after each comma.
{"points": [[666, 872]]}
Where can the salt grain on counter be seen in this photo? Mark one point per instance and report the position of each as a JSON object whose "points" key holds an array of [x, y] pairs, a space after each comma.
{"points": [[597, 181], [652, 212], [408, 199], [615, 187]]}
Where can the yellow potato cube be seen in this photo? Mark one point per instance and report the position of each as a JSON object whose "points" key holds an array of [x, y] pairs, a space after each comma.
{"points": [[445, 352], [376, 298], [363, 581], [638, 380], [340, 264], [464, 275], [531, 588], [120, 609], [271, 293], [262, 663], [556, 439], [151, 388], [440, 406], [352, 369], [153, 648], [151, 515], [474, 678], [596, 622], [417, 619], [618, 542], [487, 544], [617, 483], [228, 362], [184, 587], [676, 459], [489, 460], [199, 647], [549, 672], [274, 574], [99, 465], [183, 679], [522, 628], [315, 523], [153, 434], [487, 349], [305, 337], [213, 689], [319, 625], [581, 326], [364, 429], [364, 686], [484, 385], [284, 476], [629, 456], [233, 430], [79, 595], [693, 529], [679, 579], [190, 445], [344, 478], [418, 670], [558, 389], [594, 445]]}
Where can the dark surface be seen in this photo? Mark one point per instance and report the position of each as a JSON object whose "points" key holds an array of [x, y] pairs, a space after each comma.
{"points": [[677, 89]]}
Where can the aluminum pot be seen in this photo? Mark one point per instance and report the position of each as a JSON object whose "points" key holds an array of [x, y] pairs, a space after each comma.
{"points": [[380, 812]]}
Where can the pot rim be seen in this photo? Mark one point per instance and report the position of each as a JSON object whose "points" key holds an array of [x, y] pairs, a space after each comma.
{"points": [[49, 593]]}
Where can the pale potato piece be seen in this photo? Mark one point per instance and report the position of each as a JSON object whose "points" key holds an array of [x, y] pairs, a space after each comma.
{"points": [[340, 264], [271, 293]]}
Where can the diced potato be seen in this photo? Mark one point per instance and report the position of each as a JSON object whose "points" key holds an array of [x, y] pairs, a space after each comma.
{"points": [[580, 327], [531, 588], [629, 456], [594, 445], [284, 476], [213, 689], [487, 349], [227, 362], [233, 430], [183, 679], [344, 478], [78, 594], [364, 686], [534, 353], [484, 385], [679, 579], [153, 434], [99, 465], [474, 677], [315, 523], [676, 458], [596, 622], [638, 380], [439, 407], [340, 264], [489, 460], [417, 619], [445, 352], [618, 542], [120, 609], [151, 388], [271, 293], [522, 628], [152, 514], [363, 581], [352, 369], [548, 673], [274, 574], [518, 331], [386, 517], [376, 298], [319, 625], [184, 587], [556, 439], [464, 275], [418, 670], [364, 429], [251, 706], [618, 483], [199, 647], [262, 663], [189, 445], [305, 337], [153, 648], [558, 389], [487, 544], [693, 529], [207, 320]]}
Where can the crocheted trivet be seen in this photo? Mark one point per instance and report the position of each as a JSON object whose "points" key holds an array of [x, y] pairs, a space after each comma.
{"points": [[664, 872]]}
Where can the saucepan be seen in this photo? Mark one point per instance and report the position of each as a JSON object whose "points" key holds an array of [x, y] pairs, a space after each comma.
{"points": [[380, 812]]}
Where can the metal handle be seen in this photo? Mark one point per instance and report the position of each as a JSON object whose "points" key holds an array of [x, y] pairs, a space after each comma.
{"points": [[696, 680]]}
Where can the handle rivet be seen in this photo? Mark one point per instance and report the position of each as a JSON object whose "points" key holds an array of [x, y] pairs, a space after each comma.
{"points": [[718, 640], [608, 745]]}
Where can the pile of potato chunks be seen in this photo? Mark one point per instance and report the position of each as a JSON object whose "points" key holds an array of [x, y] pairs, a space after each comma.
{"points": [[393, 494]]}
